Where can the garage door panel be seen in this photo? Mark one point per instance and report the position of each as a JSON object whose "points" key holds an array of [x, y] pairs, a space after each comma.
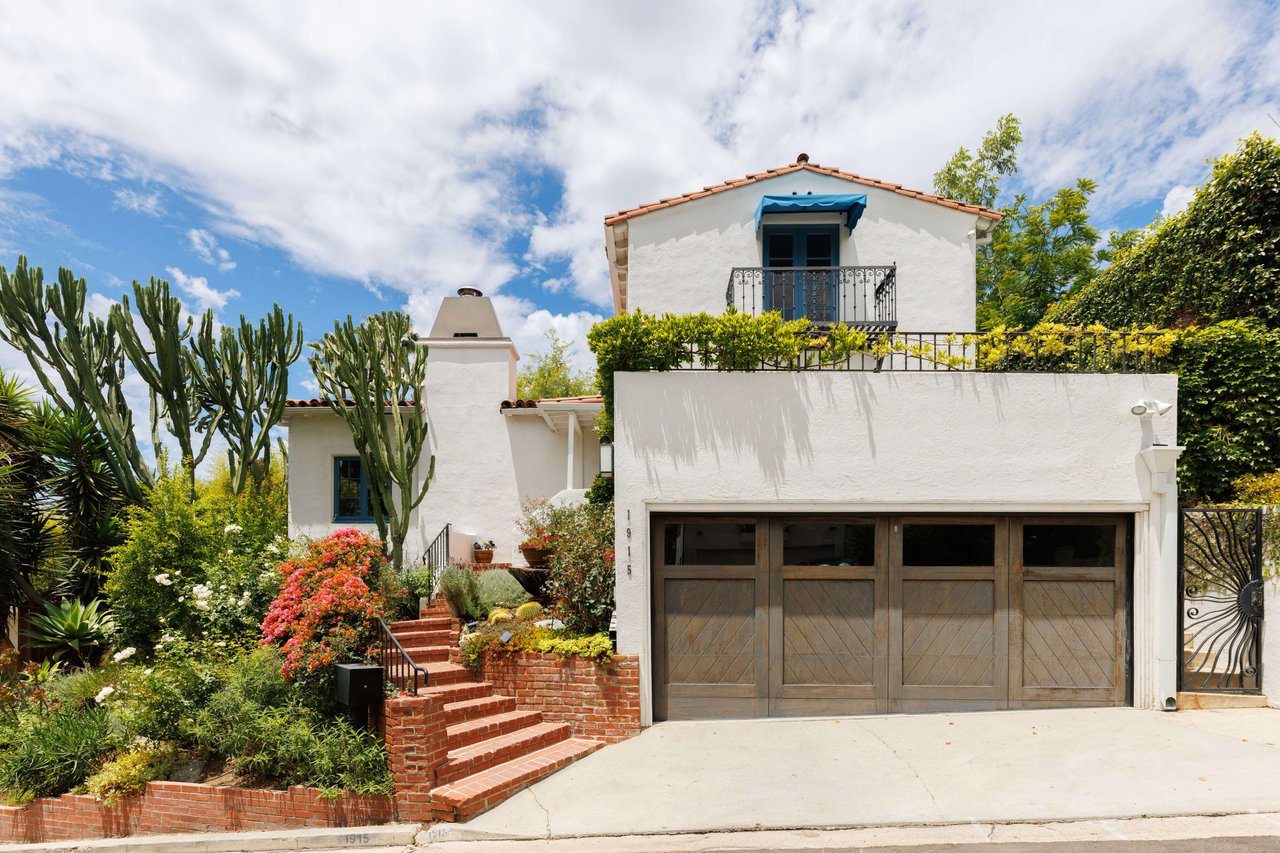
{"points": [[710, 631], [948, 633], [1068, 633], [829, 632]]}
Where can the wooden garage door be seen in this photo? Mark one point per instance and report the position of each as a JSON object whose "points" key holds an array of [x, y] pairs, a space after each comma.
{"points": [[811, 615]]}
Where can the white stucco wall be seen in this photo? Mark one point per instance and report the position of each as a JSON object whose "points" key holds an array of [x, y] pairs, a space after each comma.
{"points": [[680, 257], [488, 464], [934, 442]]}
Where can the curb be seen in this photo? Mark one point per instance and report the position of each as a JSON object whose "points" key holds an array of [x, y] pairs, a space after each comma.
{"points": [[398, 836]]}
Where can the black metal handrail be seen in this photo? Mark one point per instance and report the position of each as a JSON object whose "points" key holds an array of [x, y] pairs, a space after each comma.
{"points": [[436, 558], [854, 296], [399, 666], [1072, 351]]}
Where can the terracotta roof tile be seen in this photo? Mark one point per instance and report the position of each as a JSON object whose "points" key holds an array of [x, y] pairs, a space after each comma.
{"points": [[733, 183], [533, 404]]}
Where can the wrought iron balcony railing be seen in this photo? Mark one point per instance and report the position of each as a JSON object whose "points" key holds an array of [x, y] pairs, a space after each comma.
{"points": [[855, 296]]}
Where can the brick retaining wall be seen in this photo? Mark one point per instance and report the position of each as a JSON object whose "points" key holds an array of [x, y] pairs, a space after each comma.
{"points": [[187, 807], [601, 702]]}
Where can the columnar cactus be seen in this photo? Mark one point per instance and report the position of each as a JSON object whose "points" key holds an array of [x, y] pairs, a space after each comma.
{"points": [[365, 372]]}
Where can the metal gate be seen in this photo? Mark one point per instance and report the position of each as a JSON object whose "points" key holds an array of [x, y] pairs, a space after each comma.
{"points": [[1220, 606]]}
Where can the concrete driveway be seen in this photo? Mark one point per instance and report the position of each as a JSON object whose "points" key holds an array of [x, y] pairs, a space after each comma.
{"points": [[994, 767]]}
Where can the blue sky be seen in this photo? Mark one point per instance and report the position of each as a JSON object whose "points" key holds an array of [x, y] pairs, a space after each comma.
{"points": [[337, 158]]}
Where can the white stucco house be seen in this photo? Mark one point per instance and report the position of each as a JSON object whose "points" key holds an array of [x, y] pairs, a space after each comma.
{"points": [[493, 453], [885, 537], [795, 542]]}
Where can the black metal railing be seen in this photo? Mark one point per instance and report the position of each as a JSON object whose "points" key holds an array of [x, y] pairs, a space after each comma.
{"points": [[855, 296], [437, 558], [400, 668], [1070, 351], [1220, 608]]}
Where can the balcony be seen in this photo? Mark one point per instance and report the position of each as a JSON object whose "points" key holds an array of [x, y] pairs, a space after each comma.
{"points": [[865, 297]]}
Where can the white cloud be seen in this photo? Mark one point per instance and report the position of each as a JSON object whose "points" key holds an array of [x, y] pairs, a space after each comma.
{"points": [[206, 247], [395, 144], [200, 293], [140, 202], [1176, 200]]}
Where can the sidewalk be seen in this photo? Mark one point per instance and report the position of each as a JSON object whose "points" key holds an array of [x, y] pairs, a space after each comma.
{"points": [[996, 767]]}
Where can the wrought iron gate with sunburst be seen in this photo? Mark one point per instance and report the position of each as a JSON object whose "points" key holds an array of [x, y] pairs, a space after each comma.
{"points": [[1220, 600]]}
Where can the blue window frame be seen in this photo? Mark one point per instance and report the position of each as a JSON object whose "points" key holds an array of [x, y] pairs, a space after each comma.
{"points": [[350, 490], [801, 294]]}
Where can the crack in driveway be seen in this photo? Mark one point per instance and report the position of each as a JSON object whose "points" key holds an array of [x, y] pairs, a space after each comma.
{"points": [[936, 808]]}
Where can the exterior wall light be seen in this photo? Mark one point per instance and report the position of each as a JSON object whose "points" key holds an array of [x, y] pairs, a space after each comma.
{"points": [[606, 459], [1147, 408]]}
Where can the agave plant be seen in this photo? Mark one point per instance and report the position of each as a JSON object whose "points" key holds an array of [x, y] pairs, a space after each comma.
{"points": [[73, 628]]}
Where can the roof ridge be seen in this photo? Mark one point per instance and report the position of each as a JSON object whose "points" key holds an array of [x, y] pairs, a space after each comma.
{"points": [[753, 177]]}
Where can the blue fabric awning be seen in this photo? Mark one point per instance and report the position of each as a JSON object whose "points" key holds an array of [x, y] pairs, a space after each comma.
{"points": [[852, 205]]}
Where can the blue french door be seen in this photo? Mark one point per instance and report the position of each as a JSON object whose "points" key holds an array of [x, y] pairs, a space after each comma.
{"points": [[800, 277]]}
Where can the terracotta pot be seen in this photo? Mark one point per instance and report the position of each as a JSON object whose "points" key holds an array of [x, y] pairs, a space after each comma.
{"points": [[534, 555], [482, 555]]}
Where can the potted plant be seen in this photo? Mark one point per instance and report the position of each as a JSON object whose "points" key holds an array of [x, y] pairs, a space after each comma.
{"points": [[538, 547], [482, 551]]}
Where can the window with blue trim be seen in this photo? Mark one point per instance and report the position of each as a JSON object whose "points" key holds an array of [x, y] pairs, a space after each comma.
{"points": [[800, 277], [350, 490]]}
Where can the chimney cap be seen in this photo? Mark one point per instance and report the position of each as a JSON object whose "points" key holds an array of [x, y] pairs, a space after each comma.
{"points": [[469, 291], [802, 157]]}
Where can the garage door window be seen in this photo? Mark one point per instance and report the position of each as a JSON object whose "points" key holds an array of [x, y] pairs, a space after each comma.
{"points": [[829, 544], [1069, 545], [948, 544], [709, 544]]}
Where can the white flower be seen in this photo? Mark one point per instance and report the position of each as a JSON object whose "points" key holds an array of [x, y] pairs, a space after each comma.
{"points": [[200, 604], [232, 528], [201, 591], [221, 644], [104, 693], [163, 579], [148, 671], [181, 598], [167, 638], [271, 549], [124, 654]]}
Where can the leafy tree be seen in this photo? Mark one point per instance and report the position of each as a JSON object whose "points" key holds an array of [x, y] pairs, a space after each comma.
{"points": [[551, 375], [1219, 259], [373, 376], [1039, 252], [23, 529]]}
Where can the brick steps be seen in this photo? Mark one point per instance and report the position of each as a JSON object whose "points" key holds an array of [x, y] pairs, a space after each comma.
{"points": [[495, 749], [470, 709], [471, 795], [468, 760]]}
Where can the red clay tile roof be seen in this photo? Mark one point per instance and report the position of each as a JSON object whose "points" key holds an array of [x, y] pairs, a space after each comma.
{"points": [[316, 403], [803, 164], [533, 404]]}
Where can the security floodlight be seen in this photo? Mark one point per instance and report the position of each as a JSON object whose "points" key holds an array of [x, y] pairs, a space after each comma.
{"points": [[1147, 408]]}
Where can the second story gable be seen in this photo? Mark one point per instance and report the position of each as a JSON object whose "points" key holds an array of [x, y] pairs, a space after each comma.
{"points": [[806, 240]]}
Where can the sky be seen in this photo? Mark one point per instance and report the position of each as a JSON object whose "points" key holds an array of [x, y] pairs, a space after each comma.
{"points": [[349, 158]]}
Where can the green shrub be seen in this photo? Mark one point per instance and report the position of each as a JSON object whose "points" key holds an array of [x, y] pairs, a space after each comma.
{"points": [[264, 725], [56, 753], [74, 630], [582, 573], [596, 646], [413, 584], [461, 590], [497, 588], [601, 491], [1258, 488], [128, 773]]}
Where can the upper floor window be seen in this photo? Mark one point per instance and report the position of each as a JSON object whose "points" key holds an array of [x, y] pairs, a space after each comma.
{"points": [[350, 490], [801, 246], [812, 289]]}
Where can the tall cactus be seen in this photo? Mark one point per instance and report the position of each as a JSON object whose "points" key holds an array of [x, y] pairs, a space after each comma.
{"points": [[78, 359], [243, 373], [167, 369], [364, 372]]}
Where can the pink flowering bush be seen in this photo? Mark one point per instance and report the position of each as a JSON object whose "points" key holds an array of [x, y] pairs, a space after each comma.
{"points": [[327, 609]]}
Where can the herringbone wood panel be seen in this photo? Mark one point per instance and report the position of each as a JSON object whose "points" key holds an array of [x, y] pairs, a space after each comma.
{"points": [[828, 631], [1068, 634], [710, 631], [948, 632]]}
